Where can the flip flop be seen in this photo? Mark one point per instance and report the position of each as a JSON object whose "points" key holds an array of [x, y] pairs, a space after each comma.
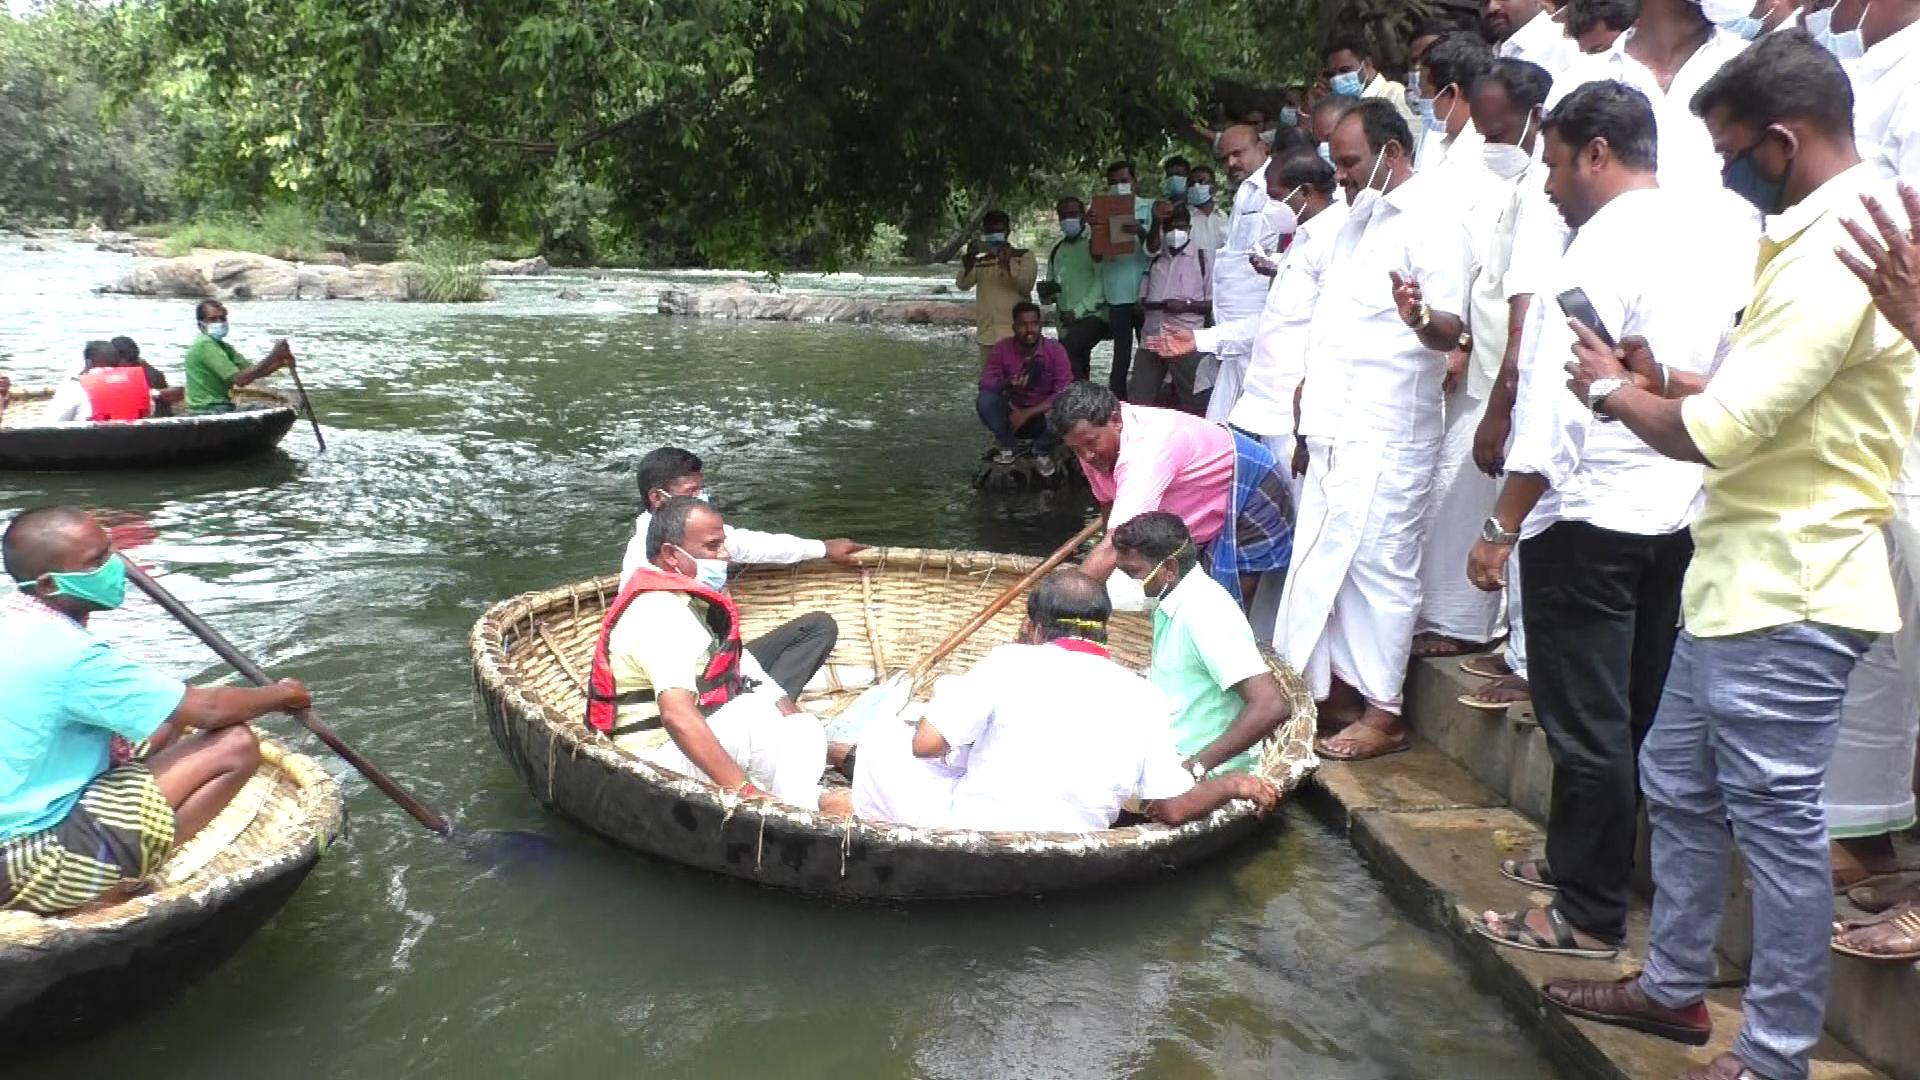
{"points": [[1479, 699], [1518, 935], [1390, 746], [1486, 666], [1542, 877]]}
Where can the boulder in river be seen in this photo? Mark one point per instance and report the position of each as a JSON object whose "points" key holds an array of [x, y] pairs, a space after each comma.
{"points": [[35, 245], [240, 275], [532, 266], [740, 300]]}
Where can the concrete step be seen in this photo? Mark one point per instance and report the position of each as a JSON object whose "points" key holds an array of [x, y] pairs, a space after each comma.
{"points": [[1504, 755]]}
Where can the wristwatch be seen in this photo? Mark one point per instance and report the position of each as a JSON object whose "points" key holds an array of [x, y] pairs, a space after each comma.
{"points": [[1601, 390], [1494, 533], [1197, 771], [1422, 316], [1465, 344]]}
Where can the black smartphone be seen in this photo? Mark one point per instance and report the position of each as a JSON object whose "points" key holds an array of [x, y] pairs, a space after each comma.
{"points": [[1575, 303]]}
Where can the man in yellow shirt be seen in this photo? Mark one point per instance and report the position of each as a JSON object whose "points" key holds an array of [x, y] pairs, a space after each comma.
{"points": [[1001, 276], [1802, 429]]}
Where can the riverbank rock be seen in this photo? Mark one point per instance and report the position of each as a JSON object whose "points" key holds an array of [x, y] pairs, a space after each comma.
{"points": [[741, 300], [239, 275], [528, 267], [35, 245]]}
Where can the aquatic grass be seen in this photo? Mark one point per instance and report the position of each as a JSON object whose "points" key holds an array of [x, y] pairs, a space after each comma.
{"points": [[449, 270], [284, 232]]}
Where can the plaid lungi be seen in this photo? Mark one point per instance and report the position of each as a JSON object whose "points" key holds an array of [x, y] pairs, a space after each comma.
{"points": [[120, 830], [1258, 536]]}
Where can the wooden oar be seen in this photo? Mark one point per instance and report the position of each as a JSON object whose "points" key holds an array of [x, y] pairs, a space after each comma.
{"points": [[892, 695], [421, 812], [306, 403]]}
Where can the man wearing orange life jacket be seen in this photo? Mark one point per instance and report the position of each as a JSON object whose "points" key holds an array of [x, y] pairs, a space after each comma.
{"points": [[673, 685], [107, 388]]}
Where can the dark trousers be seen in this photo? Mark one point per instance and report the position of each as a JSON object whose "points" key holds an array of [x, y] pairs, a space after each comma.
{"points": [[793, 651], [1120, 325], [1078, 338], [996, 413], [1149, 371], [1602, 610]]}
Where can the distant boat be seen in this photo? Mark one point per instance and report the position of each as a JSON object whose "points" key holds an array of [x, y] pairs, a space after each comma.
{"points": [[28, 442], [532, 653], [64, 978]]}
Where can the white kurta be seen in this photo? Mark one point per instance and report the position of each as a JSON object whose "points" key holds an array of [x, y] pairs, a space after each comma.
{"points": [[1886, 102], [783, 755], [1239, 291], [1869, 788], [1541, 40], [1371, 413]]}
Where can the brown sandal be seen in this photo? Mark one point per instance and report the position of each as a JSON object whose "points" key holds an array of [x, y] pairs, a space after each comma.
{"points": [[1895, 939], [1377, 744], [1499, 695], [1439, 646]]}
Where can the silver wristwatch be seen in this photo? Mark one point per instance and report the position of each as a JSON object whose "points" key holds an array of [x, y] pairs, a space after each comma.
{"points": [[1197, 771], [1601, 390], [1493, 533]]}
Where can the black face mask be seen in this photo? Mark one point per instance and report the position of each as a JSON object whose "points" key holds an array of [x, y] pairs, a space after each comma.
{"points": [[1743, 177]]}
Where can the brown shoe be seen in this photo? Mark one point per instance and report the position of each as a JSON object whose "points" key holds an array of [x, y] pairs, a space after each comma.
{"points": [[1724, 1067], [1622, 1002]]}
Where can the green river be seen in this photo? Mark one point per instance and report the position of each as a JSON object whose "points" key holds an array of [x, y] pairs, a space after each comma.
{"points": [[475, 452]]}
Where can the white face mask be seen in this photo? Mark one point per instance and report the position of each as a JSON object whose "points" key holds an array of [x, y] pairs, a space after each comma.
{"points": [[1177, 238], [1505, 160], [1123, 189], [1722, 12], [1280, 217]]}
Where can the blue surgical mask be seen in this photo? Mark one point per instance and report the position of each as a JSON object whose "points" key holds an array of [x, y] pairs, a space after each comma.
{"points": [[1346, 84], [1289, 116], [217, 331], [1070, 228], [994, 238], [1818, 23], [1425, 108], [1748, 27], [103, 587], [711, 573], [1326, 152], [1848, 44], [1199, 194], [1176, 186]]}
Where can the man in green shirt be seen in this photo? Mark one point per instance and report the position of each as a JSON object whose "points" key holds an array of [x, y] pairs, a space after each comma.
{"points": [[214, 367], [1205, 660], [1073, 287], [1120, 274]]}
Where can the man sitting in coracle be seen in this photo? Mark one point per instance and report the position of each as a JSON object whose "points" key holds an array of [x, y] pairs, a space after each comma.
{"points": [[1205, 661], [1049, 734], [672, 683], [75, 827]]}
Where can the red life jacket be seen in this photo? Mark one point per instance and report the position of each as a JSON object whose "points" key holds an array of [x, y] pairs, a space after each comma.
{"points": [[117, 393], [720, 683]]}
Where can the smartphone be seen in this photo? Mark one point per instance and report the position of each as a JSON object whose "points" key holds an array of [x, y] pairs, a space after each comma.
{"points": [[1576, 305]]}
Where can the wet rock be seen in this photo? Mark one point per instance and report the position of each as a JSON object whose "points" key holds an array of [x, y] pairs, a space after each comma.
{"points": [[533, 266], [1023, 472], [237, 275], [35, 245], [569, 294], [741, 300]]}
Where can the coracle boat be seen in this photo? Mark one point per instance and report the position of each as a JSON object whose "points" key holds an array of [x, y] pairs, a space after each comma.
{"points": [[28, 442], [532, 653], [68, 977]]}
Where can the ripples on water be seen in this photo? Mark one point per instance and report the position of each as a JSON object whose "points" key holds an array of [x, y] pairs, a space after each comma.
{"points": [[477, 452]]}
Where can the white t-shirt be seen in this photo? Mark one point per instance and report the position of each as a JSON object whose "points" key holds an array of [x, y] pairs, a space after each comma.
{"points": [[1054, 740], [70, 402]]}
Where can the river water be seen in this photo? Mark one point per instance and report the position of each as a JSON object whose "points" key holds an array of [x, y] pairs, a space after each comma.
{"points": [[475, 452]]}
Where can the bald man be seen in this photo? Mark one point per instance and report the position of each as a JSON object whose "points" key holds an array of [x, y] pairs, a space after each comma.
{"points": [[75, 827], [1254, 232]]}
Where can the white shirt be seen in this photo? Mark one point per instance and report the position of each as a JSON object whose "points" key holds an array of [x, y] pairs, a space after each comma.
{"points": [[1239, 290], [1440, 150], [1541, 41], [1209, 230], [1886, 103], [744, 546], [1499, 206], [1653, 265], [1054, 740], [70, 402], [1279, 333], [1369, 378]]}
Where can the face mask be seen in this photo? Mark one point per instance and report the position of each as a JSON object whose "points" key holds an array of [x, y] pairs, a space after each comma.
{"points": [[1346, 84], [1125, 188], [1289, 116], [711, 573], [104, 586], [1414, 97], [1280, 217], [1508, 161], [1070, 227], [1849, 44], [1722, 12], [1176, 186], [1177, 238], [1199, 194], [665, 494], [217, 331], [994, 238], [1819, 22], [1747, 27], [1425, 109], [1326, 152], [1743, 177]]}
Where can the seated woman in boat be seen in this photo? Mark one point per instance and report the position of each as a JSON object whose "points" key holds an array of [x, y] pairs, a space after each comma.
{"points": [[670, 471], [214, 367], [1045, 735], [1225, 699], [1234, 498], [75, 826], [109, 387], [673, 685]]}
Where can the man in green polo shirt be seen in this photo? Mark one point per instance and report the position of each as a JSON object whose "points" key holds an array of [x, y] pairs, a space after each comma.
{"points": [[1074, 288], [214, 367], [1205, 660]]}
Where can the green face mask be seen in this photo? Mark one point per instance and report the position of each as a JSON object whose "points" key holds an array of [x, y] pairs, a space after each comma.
{"points": [[105, 586]]}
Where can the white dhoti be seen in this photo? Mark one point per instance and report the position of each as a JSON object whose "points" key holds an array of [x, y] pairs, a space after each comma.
{"points": [[782, 755], [1869, 788], [1463, 497], [1354, 590], [891, 784], [1228, 380], [1515, 654]]}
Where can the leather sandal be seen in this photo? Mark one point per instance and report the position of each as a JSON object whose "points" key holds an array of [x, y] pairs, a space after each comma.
{"points": [[1621, 1002]]}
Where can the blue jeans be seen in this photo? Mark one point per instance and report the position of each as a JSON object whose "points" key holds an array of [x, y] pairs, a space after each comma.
{"points": [[996, 413], [1744, 732]]}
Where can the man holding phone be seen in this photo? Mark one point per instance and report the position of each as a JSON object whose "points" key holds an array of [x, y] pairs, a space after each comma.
{"points": [[1599, 516]]}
